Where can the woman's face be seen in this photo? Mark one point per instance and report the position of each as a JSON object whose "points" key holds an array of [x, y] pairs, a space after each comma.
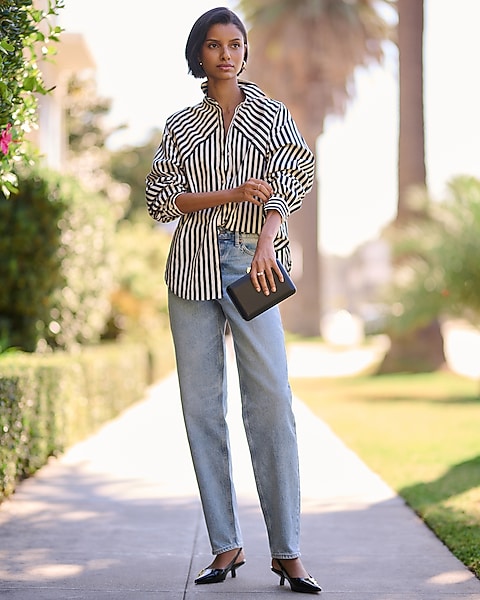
{"points": [[223, 52]]}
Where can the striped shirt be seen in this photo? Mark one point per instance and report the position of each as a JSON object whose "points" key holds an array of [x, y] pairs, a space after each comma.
{"points": [[196, 155]]}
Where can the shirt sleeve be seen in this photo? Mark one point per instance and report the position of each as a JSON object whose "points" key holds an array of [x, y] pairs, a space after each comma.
{"points": [[290, 167], [166, 181]]}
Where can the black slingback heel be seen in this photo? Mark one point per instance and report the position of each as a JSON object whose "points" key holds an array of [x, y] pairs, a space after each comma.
{"points": [[209, 575], [304, 585]]}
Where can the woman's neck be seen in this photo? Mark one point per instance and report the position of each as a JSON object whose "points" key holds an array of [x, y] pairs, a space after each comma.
{"points": [[227, 93]]}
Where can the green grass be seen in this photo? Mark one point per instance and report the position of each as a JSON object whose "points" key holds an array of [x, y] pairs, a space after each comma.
{"points": [[421, 434]]}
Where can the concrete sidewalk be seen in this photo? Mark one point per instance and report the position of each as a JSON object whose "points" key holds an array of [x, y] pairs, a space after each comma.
{"points": [[117, 517]]}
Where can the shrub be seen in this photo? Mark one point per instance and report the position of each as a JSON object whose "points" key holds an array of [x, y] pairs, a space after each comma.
{"points": [[57, 263], [438, 273], [49, 402], [25, 31], [139, 300]]}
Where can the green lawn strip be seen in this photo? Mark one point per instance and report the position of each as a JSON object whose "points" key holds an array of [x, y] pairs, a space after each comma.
{"points": [[421, 434]]}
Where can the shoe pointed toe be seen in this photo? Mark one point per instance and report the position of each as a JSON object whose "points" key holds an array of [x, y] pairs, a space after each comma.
{"points": [[307, 585], [208, 575], [212, 575]]}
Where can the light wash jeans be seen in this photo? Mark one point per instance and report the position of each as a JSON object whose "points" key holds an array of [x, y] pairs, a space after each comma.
{"points": [[198, 330]]}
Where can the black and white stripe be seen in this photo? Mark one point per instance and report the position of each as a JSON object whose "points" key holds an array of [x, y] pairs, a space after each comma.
{"points": [[195, 156]]}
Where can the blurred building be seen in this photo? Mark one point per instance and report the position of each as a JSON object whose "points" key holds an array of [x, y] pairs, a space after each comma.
{"points": [[72, 55]]}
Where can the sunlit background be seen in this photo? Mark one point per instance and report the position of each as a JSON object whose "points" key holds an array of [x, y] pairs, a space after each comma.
{"points": [[141, 67], [84, 334]]}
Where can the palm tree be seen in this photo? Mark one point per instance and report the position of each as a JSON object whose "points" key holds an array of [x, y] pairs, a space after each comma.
{"points": [[411, 141], [420, 349], [306, 53]]}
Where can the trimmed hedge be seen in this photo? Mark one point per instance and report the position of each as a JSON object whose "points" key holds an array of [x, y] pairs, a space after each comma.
{"points": [[48, 402]]}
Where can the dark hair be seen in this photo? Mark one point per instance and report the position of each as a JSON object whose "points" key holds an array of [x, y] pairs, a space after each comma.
{"points": [[199, 31]]}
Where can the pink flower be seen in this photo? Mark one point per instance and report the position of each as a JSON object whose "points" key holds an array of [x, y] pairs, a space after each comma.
{"points": [[5, 139]]}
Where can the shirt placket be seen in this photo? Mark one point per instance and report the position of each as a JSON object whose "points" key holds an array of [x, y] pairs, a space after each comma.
{"points": [[228, 175]]}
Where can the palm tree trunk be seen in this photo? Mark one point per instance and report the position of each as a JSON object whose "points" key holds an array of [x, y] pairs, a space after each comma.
{"points": [[420, 350], [302, 314], [411, 143]]}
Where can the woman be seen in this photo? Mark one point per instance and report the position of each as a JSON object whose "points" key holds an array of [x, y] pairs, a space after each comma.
{"points": [[231, 169]]}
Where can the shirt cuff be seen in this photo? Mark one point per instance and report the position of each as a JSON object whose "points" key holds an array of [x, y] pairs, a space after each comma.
{"points": [[279, 205], [180, 213]]}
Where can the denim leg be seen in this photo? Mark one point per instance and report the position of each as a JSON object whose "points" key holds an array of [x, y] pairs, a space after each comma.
{"points": [[198, 330], [266, 408]]}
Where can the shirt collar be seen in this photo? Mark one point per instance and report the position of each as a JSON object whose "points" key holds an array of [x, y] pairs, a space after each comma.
{"points": [[251, 90]]}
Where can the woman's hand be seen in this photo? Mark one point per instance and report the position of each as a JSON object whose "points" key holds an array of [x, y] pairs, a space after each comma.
{"points": [[264, 262], [256, 191]]}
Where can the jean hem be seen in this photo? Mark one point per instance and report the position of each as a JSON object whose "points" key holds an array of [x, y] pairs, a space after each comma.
{"points": [[227, 549]]}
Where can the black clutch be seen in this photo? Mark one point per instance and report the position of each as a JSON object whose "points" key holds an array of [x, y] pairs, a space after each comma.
{"points": [[251, 303]]}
